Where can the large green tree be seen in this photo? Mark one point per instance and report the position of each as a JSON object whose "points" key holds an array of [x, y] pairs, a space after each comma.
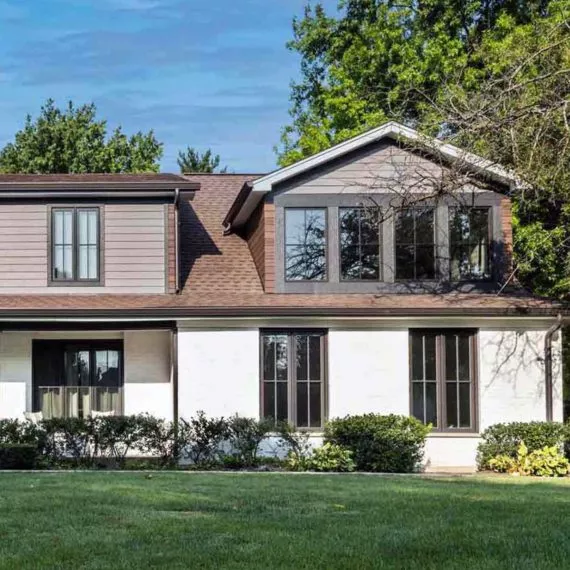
{"points": [[73, 140], [192, 160]]}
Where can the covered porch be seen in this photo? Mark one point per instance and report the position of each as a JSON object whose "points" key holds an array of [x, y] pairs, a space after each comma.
{"points": [[81, 369]]}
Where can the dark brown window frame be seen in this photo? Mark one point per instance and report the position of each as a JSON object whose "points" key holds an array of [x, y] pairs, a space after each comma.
{"points": [[379, 245], [75, 281], [440, 334], [291, 374], [285, 244]]}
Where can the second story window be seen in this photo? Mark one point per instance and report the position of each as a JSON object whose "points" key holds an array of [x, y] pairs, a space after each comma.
{"points": [[305, 244], [469, 243], [75, 245], [359, 245], [415, 244]]}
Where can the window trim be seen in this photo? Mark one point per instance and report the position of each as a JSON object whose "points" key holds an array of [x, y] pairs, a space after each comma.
{"points": [[441, 381], [325, 279], [291, 376], [380, 277], [436, 269], [76, 282]]}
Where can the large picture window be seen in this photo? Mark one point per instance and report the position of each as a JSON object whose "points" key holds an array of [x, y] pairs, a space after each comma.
{"points": [[305, 244], [443, 378], [75, 244], [293, 378], [359, 244], [469, 243], [415, 244]]}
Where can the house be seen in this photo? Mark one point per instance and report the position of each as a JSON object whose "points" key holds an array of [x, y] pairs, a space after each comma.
{"points": [[353, 281]]}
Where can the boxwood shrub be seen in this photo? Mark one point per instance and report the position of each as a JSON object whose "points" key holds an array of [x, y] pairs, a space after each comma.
{"points": [[18, 456], [504, 439], [388, 444]]}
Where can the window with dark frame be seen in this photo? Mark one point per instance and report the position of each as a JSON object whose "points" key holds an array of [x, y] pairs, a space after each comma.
{"points": [[443, 378], [359, 231], [75, 245], [293, 378], [469, 243], [305, 244], [415, 244]]}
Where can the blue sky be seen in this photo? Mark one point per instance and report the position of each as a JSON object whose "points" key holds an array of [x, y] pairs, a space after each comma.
{"points": [[205, 73]]}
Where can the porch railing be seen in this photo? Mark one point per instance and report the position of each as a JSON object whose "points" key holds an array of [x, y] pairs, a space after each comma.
{"points": [[78, 401]]}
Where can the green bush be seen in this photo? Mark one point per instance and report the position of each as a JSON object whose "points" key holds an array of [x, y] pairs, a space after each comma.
{"points": [[203, 439], [389, 444], [245, 435], [18, 456], [505, 439], [329, 457], [545, 462]]}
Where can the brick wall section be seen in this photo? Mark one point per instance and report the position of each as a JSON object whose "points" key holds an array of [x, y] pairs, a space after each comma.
{"points": [[171, 248], [507, 228], [255, 236], [269, 218]]}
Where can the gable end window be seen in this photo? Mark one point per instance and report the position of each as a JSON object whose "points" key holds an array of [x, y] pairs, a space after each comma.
{"points": [[293, 378], [359, 245], [469, 243], [443, 379], [75, 245], [415, 244], [305, 244]]}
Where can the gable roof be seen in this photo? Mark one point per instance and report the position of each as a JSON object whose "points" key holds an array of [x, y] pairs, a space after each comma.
{"points": [[250, 196]]}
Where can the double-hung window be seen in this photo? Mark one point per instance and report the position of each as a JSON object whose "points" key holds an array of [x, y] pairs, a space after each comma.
{"points": [[443, 378], [293, 377], [469, 230], [75, 245], [415, 244]]}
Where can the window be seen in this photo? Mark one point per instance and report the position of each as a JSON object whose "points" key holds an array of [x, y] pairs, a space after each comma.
{"points": [[305, 244], [75, 244], [293, 378], [443, 379], [359, 244], [469, 243], [72, 379], [415, 244]]}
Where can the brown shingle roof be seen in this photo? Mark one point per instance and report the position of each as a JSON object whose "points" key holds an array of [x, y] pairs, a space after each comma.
{"points": [[82, 178], [219, 278]]}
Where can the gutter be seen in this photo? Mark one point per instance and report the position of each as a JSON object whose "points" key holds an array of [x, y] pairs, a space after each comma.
{"points": [[548, 337]]}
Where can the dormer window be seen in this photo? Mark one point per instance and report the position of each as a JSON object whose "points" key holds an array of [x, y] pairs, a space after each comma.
{"points": [[75, 245], [305, 244]]}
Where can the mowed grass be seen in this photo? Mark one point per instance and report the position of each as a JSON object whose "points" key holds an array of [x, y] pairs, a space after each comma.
{"points": [[269, 521]]}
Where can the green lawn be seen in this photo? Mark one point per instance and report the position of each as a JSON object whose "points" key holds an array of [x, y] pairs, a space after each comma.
{"points": [[189, 520]]}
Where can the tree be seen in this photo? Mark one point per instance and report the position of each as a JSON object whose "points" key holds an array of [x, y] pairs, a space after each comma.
{"points": [[191, 160], [72, 140]]}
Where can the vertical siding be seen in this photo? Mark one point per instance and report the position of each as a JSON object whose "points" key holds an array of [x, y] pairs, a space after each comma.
{"points": [[133, 243], [507, 235], [269, 265], [255, 236]]}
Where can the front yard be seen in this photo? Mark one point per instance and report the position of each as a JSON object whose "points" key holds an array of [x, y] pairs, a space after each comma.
{"points": [[268, 521]]}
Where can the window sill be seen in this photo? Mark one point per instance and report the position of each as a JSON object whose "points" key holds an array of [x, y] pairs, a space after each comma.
{"points": [[447, 434]]}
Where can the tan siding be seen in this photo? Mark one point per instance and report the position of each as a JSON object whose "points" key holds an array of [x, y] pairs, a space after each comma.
{"points": [[255, 236], [269, 222], [507, 229]]}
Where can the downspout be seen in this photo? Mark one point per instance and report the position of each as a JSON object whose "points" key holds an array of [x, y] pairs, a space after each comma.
{"points": [[548, 366], [176, 240], [174, 364]]}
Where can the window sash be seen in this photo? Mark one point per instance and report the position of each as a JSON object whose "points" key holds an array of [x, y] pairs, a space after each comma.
{"points": [[446, 396], [75, 249], [407, 250], [295, 392]]}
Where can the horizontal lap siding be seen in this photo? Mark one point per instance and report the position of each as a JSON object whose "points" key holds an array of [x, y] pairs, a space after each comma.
{"points": [[133, 250]]}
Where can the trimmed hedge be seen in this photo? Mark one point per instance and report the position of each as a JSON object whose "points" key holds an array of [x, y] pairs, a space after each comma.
{"points": [[18, 456], [505, 439], [387, 444]]}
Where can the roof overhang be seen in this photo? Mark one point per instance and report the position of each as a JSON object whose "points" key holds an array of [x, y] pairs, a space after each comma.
{"points": [[242, 209]]}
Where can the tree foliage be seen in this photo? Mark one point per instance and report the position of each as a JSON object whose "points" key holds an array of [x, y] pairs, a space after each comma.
{"points": [[192, 160], [73, 140]]}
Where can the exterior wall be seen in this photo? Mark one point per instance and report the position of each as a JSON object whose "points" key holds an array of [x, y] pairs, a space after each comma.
{"points": [[133, 250], [255, 236], [147, 386]]}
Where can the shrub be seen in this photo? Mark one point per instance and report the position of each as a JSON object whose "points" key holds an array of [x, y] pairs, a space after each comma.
{"points": [[203, 438], [18, 456], [505, 439], [70, 440], [390, 444], [293, 443], [114, 436], [329, 457], [245, 436], [162, 439], [545, 462]]}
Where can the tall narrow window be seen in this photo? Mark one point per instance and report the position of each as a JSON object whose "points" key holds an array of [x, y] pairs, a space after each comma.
{"points": [[415, 244], [359, 244], [305, 244], [469, 243], [293, 378], [75, 244], [442, 375]]}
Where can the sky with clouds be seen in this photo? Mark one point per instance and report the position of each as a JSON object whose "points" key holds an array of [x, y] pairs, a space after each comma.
{"points": [[205, 73]]}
